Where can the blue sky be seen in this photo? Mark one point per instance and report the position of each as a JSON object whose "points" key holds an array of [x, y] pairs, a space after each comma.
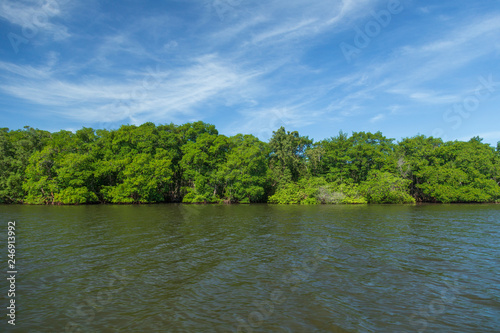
{"points": [[402, 67]]}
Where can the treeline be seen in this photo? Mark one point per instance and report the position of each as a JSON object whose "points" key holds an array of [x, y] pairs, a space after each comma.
{"points": [[193, 163]]}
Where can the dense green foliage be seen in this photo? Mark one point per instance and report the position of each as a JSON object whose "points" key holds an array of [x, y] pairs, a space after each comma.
{"points": [[193, 163]]}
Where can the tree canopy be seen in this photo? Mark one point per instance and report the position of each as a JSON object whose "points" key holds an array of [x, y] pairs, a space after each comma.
{"points": [[193, 163]]}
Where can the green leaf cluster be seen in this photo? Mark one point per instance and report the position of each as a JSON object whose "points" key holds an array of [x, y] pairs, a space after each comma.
{"points": [[193, 163]]}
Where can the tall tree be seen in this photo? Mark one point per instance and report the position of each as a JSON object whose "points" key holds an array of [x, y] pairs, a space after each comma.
{"points": [[287, 157], [245, 173]]}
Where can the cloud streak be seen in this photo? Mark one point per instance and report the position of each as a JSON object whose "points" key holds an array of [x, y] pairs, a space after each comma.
{"points": [[261, 65], [34, 16]]}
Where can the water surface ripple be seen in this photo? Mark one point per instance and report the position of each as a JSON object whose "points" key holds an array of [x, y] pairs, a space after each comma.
{"points": [[256, 268]]}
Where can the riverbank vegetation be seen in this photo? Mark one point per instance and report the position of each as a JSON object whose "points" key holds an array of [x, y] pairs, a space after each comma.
{"points": [[193, 163]]}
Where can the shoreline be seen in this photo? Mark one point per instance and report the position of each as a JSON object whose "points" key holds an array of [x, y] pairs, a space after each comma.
{"points": [[250, 204]]}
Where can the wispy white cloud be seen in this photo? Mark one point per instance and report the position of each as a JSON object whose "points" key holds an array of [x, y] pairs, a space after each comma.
{"points": [[34, 16], [276, 24], [281, 32], [377, 118], [487, 136], [94, 98], [271, 64], [261, 122], [426, 97], [151, 95], [449, 51], [27, 71], [412, 68]]}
